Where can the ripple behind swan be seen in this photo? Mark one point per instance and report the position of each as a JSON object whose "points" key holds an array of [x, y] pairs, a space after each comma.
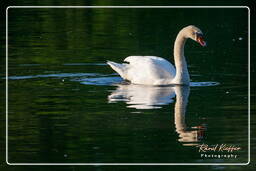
{"points": [[100, 80], [96, 79]]}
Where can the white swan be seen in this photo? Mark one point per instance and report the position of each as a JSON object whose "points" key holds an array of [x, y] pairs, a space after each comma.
{"points": [[152, 70]]}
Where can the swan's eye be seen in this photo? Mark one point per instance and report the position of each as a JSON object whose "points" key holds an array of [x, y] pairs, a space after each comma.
{"points": [[199, 34]]}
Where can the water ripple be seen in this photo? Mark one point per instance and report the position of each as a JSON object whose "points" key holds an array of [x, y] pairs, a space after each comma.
{"points": [[100, 80], [97, 79], [60, 75], [118, 80]]}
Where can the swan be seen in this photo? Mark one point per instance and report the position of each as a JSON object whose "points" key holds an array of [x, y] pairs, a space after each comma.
{"points": [[153, 70]]}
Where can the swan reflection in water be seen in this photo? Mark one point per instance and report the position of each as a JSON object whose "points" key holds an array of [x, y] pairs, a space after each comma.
{"points": [[150, 97]]}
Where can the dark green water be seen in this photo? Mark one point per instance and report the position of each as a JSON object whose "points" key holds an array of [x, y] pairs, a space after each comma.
{"points": [[67, 106]]}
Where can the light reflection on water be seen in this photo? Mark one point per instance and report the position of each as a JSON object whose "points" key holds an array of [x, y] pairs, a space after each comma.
{"points": [[142, 97]]}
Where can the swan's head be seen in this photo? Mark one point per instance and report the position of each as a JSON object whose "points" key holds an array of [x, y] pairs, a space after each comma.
{"points": [[195, 34]]}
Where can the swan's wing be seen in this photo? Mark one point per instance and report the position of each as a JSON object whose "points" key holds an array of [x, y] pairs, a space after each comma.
{"points": [[151, 60], [149, 70]]}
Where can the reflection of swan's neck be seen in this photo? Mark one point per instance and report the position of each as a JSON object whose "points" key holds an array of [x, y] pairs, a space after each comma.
{"points": [[186, 136], [182, 75], [182, 94]]}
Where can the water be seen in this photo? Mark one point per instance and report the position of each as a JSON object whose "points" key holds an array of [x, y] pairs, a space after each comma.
{"points": [[67, 106]]}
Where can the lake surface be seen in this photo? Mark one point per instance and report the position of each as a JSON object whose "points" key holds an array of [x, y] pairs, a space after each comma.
{"points": [[67, 106]]}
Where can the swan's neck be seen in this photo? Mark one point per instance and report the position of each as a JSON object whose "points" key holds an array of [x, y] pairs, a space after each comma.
{"points": [[182, 75]]}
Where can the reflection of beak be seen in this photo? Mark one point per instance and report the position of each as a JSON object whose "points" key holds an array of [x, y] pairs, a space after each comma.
{"points": [[200, 131], [200, 40]]}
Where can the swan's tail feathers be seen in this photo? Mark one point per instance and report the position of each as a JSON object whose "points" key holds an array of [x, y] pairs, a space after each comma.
{"points": [[119, 68]]}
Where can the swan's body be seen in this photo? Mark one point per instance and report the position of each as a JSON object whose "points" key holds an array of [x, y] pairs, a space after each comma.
{"points": [[152, 70]]}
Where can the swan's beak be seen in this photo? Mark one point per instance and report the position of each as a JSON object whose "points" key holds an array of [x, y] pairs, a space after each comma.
{"points": [[201, 41]]}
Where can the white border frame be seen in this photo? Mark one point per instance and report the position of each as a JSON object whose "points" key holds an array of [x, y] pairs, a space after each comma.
{"points": [[249, 138]]}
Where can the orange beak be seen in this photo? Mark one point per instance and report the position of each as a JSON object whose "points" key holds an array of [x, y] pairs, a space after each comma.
{"points": [[201, 41]]}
